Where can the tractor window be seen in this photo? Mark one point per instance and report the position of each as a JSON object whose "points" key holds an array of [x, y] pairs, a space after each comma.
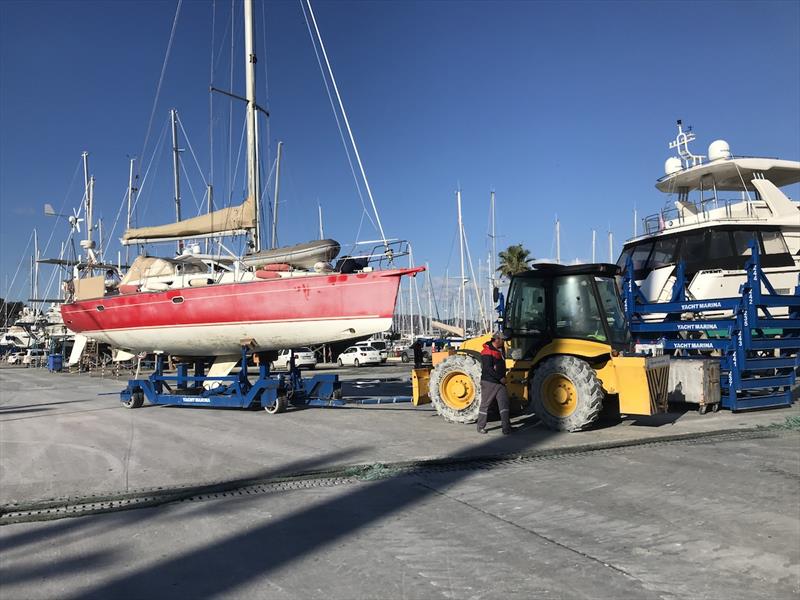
{"points": [[609, 299], [577, 313], [527, 315]]}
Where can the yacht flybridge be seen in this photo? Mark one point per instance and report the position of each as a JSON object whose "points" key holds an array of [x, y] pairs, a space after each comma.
{"points": [[721, 203]]}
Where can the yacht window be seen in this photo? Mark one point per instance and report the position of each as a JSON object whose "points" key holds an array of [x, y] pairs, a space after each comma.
{"points": [[622, 261], [693, 248], [663, 253], [720, 245], [640, 254], [774, 242], [741, 242]]}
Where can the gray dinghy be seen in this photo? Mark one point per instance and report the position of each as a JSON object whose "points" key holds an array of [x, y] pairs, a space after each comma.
{"points": [[302, 256]]}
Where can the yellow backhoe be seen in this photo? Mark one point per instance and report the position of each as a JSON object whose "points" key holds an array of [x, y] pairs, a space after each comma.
{"points": [[568, 354]]}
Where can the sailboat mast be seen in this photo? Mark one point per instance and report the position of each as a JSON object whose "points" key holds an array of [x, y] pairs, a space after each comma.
{"points": [[462, 287], [253, 191], [176, 175], [594, 245], [277, 193], [558, 240], [321, 230], [130, 206], [494, 246], [87, 195]]}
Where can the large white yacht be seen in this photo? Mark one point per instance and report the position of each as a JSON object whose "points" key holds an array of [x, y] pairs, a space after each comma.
{"points": [[721, 203]]}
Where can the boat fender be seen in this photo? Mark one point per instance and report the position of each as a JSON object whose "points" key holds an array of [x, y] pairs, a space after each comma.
{"points": [[130, 288], [264, 274], [276, 267]]}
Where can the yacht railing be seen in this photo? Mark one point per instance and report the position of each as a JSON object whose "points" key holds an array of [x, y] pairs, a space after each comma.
{"points": [[673, 216]]}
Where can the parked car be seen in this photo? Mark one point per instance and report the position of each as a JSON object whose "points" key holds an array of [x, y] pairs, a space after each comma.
{"points": [[33, 357], [359, 355], [304, 358], [15, 358], [427, 352], [378, 345]]}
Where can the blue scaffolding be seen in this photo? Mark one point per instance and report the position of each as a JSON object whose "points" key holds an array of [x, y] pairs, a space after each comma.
{"points": [[759, 351]]}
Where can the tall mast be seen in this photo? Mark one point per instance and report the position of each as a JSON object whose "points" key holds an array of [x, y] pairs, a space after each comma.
{"points": [[321, 230], [253, 187], [494, 246], [594, 245], [277, 193], [35, 269], [87, 196], [131, 192], [610, 247], [430, 300], [462, 288], [176, 165], [558, 240]]}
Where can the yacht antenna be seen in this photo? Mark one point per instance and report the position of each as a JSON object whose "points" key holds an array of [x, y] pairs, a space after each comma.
{"points": [[321, 230], [681, 142], [558, 240]]}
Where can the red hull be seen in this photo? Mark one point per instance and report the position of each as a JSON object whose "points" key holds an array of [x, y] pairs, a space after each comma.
{"points": [[126, 320]]}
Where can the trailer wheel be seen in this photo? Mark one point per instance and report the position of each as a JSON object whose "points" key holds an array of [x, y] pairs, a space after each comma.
{"points": [[136, 401], [455, 388], [566, 394], [277, 407]]}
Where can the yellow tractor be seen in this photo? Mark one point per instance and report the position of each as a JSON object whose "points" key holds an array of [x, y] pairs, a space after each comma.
{"points": [[568, 354]]}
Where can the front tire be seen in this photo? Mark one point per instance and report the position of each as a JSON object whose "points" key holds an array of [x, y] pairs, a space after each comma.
{"points": [[566, 394], [356, 363], [340, 363], [455, 388], [136, 401]]}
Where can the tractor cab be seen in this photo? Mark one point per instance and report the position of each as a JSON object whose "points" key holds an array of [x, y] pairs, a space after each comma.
{"points": [[553, 301]]}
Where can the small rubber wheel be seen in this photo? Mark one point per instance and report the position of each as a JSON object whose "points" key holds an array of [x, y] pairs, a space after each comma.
{"points": [[337, 394], [356, 363], [340, 363], [136, 401], [277, 407], [715, 407], [702, 409], [404, 357]]}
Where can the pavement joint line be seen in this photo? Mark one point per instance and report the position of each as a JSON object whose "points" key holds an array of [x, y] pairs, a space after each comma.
{"points": [[342, 474], [528, 530]]}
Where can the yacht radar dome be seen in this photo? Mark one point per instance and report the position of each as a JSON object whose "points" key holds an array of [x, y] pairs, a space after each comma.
{"points": [[672, 165], [718, 149]]}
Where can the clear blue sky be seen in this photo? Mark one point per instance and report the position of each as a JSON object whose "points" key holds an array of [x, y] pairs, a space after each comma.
{"points": [[561, 107]]}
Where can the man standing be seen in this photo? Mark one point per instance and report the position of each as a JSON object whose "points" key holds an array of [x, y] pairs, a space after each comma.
{"points": [[418, 355], [493, 382]]}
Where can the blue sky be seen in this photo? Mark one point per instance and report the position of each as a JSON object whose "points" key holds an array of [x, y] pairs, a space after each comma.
{"points": [[561, 107]]}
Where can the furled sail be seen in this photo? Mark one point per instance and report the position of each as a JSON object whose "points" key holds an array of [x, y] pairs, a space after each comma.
{"points": [[225, 221]]}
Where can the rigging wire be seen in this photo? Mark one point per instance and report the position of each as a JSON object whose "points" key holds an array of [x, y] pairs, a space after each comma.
{"points": [[338, 123], [63, 204], [161, 77], [191, 150], [21, 262]]}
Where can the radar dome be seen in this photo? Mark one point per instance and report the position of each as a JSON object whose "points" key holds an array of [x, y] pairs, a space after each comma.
{"points": [[718, 149], [672, 165]]}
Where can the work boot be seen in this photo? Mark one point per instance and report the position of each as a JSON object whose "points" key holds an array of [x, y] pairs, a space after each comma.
{"points": [[482, 430], [508, 431]]}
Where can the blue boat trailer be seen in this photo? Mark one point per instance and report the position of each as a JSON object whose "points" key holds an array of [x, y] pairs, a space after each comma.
{"points": [[759, 367], [273, 393]]}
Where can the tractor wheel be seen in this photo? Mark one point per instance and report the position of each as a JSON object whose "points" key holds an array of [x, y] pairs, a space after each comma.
{"points": [[566, 394], [277, 407], [455, 388], [136, 401]]}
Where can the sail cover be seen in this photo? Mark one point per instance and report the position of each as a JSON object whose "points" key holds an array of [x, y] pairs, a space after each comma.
{"points": [[224, 221]]}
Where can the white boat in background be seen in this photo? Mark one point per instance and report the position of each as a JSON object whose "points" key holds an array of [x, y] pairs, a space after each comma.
{"points": [[709, 231]]}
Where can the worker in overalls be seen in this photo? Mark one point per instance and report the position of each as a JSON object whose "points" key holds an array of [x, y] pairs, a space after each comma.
{"points": [[493, 382]]}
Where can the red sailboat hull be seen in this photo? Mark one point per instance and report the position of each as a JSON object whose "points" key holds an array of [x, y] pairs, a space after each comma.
{"points": [[213, 320]]}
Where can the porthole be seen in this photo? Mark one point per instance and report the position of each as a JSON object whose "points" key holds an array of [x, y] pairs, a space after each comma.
{"points": [[177, 300], [100, 308]]}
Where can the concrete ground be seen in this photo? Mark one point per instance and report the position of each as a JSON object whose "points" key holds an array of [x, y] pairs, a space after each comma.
{"points": [[713, 517]]}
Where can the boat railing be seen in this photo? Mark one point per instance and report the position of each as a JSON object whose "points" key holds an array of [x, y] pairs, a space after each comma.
{"points": [[698, 212], [378, 255]]}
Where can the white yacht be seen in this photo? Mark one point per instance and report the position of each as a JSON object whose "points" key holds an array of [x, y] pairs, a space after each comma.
{"points": [[721, 203]]}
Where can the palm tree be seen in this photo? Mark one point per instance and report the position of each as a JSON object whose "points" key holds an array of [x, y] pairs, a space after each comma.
{"points": [[514, 259]]}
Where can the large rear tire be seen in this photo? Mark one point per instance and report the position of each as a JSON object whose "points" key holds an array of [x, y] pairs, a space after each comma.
{"points": [[566, 394], [455, 388]]}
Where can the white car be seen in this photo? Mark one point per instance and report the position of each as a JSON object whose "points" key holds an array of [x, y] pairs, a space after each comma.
{"points": [[378, 345], [15, 358], [304, 358], [359, 355]]}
